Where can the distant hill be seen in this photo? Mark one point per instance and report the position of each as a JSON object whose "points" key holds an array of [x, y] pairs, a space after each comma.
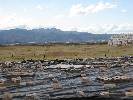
{"points": [[48, 35]]}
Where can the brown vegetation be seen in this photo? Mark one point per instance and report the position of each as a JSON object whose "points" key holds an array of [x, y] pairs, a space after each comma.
{"points": [[62, 51]]}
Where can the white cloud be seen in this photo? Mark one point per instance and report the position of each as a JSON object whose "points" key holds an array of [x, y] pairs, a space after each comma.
{"points": [[25, 10], [13, 20], [79, 9], [99, 29], [60, 16], [123, 10], [108, 28], [40, 7]]}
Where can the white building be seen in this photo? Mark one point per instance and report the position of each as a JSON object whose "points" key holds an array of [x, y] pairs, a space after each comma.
{"points": [[121, 39]]}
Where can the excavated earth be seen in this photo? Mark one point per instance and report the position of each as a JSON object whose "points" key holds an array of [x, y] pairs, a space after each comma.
{"points": [[91, 78]]}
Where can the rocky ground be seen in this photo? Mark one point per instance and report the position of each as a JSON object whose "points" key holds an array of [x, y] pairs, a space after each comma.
{"points": [[91, 78]]}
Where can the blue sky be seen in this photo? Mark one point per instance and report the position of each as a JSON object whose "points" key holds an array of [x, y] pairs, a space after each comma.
{"points": [[97, 16]]}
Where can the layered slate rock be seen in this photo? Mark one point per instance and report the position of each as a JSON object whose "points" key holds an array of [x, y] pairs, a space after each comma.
{"points": [[91, 78]]}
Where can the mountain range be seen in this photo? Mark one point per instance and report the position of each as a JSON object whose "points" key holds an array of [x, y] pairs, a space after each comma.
{"points": [[42, 35]]}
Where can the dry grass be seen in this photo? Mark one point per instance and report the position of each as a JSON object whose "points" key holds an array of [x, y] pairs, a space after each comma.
{"points": [[62, 51]]}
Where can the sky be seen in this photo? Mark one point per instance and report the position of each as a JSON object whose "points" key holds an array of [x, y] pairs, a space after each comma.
{"points": [[94, 16]]}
